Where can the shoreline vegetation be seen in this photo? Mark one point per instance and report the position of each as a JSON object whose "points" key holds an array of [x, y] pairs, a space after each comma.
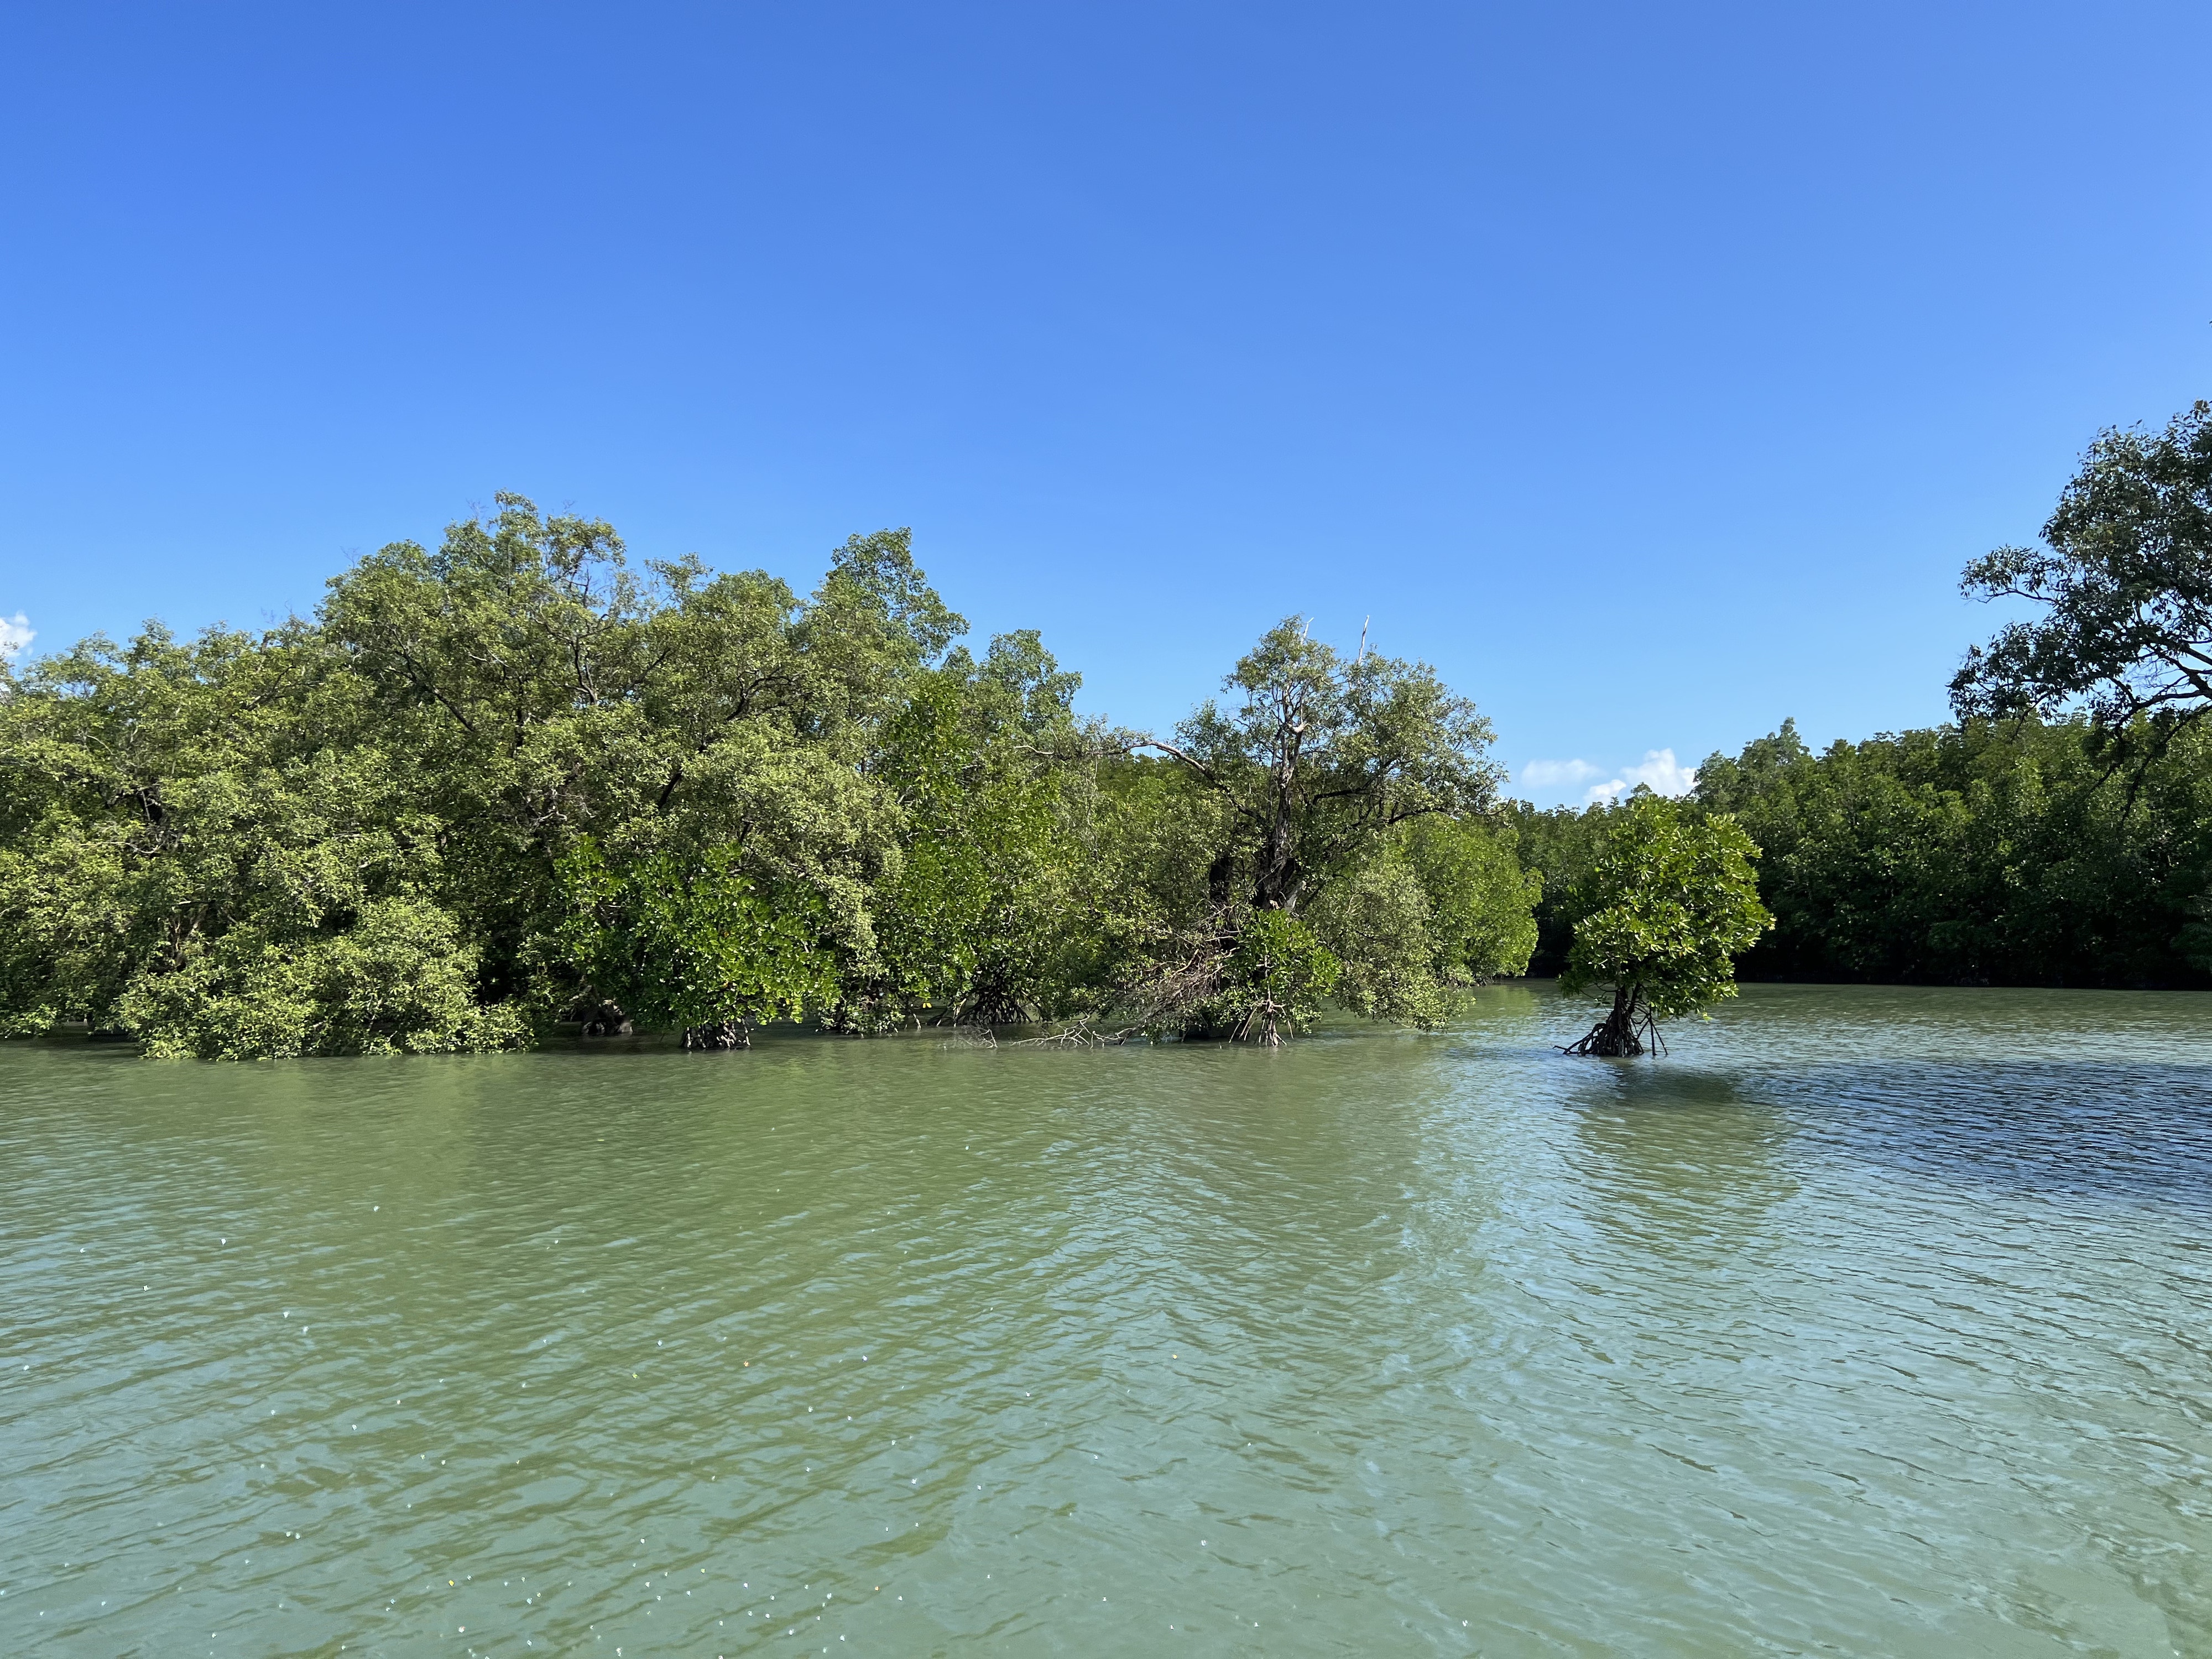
{"points": [[517, 782]]}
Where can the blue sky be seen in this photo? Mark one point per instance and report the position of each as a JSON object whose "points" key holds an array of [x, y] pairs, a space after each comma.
{"points": [[1651, 371]]}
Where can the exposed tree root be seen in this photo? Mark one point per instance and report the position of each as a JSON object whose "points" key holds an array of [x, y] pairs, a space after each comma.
{"points": [[1081, 1034], [722, 1035], [1258, 1023], [993, 1003], [1629, 1027]]}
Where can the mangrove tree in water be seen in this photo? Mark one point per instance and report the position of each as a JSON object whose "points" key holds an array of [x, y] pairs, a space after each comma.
{"points": [[1668, 903]]}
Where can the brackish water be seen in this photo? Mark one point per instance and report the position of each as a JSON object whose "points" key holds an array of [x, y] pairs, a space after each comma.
{"points": [[1870, 1323]]}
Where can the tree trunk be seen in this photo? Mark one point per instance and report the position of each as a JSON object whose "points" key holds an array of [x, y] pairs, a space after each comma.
{"points": [[1280, 879], [1218, 878], [1623, 1030]]}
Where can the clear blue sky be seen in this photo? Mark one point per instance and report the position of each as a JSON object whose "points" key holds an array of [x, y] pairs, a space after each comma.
{"points": [[1650, 370]]}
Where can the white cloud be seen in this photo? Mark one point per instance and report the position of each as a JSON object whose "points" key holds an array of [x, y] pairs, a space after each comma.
{"points": [[1659, 769], [16, 636], [1559, 775]]}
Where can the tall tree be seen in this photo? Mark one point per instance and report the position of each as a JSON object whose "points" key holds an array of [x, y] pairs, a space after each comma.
{"points": [[2124, 582], [1319, 757], [1316, 767]]}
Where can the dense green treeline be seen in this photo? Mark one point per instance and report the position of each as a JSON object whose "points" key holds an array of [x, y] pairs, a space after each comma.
{"points": [[515, 780], [2011, 852], [2060, 833]]}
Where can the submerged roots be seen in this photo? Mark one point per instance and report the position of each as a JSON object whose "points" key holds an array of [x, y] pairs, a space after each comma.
{"points": [[1080, 1034], [721, 1035], [1630, 1029]]}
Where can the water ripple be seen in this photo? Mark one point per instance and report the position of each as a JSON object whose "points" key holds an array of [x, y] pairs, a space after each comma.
{"points": [[1868, 1321]]}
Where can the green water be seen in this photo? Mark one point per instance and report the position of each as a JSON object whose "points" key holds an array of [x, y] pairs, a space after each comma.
{"points": [[1870, 1323]]}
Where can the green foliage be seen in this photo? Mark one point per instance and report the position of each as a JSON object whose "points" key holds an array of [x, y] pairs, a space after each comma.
{"points": [[200, 843], [2008, 852], [1669, 902], [515, 779], [1375, 922], [685, 939], [547, 692], [1278, 976], [985, 914], [2124, 582], [399, 980], [1481, 919], [1441, 904], [229, 825]]}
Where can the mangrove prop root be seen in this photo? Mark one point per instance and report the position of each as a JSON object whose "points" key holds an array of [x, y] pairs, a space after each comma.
{"points": [[1082, 1034], [1629, 1029], [1259, 1026], [722, 1035]]}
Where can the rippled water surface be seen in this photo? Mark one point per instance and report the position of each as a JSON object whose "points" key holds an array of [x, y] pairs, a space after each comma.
{"points": [[1869, 1323]]}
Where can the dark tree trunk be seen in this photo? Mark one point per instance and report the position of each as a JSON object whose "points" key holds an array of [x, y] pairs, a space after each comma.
{"points": [[1218, 880], [1280, 877]]}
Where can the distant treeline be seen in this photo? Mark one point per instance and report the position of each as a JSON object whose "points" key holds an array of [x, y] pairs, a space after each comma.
{"points": [[2060, 833], [2001, 852]]}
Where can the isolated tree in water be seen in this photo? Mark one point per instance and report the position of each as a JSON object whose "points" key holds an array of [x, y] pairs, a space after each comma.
{"points": [[1668, 905]]}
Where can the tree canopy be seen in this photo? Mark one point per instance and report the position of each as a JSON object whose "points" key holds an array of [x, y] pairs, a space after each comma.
{"points": [[2124, 582], [1669, 902], [1320, 757], [1354, 829], [1995, 852], [517, 781]]}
